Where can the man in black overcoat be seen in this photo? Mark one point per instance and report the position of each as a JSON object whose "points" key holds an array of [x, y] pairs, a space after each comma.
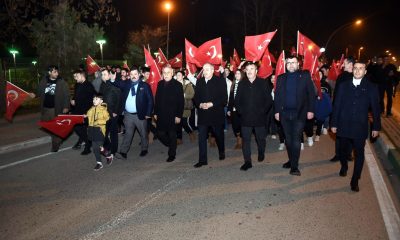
{"points": [[350, 119]]}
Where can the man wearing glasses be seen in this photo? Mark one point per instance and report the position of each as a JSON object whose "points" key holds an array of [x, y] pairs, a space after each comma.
{"points": [[294, 104]]}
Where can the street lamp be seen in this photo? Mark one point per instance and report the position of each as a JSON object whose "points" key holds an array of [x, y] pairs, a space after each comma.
{"points": [[34, 62], [14, 52], [357, 23], [168, 8], [359, 52], [101, 42]]}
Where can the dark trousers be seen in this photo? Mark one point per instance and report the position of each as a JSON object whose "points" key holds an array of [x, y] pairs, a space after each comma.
{"points": [[388, 88], [236, 126], [346, 147], [281, 134], [96, 150], [185, 125], [111, 138], [320, 123], [218, 132], [293, 129], [81, 131], [261, 134], [168, 138], [309, 127], [150, 127]]}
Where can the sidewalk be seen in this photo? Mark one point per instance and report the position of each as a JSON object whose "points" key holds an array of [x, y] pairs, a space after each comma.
{"points": [[21, 133]]}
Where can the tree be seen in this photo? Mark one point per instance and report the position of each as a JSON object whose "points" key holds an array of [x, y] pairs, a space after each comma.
{"points": [[146, 37], [17, 15], [63, 40]]}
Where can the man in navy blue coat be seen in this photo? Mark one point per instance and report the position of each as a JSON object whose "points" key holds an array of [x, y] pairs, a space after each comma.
{"points": [[350, 119], [137, 103], [294, 103]]}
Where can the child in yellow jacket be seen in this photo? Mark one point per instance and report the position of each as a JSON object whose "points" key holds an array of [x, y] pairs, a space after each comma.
{"points": [[97, 118]]}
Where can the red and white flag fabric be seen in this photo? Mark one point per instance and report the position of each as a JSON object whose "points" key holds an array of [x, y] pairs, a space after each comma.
{"points": [[176, 62], [233, 64], [255, 46], [161, 60], [236, 57], [333, 72], [265, 69], [308, 49], [280, 67], [91, 65], [155, 75], [316, 77], [190, 53], [209, 52], [62, 125], [191, 68], [15, 96]]}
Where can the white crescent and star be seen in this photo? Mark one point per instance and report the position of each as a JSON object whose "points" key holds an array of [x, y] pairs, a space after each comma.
{"points": [[214, 53], [12, 95], [191, 52], [62, 122]]}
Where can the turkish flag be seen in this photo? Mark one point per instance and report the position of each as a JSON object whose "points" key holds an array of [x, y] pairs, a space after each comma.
{"points": [[191, 67], [155, 75], [176, 62], [280, 67], [255, 46], [91, 65], [236, 57], [62, 125], [332, 75], [232, 62], [15, 96], [190, 52], [272, 57], [316, 77], [161, 60], [209, 52], [265, 69], [308, 49], [293, 51]]}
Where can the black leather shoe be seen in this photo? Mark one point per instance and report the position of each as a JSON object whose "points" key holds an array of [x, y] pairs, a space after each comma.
{"points": [[261, 157], [334, 159], [170, 159], [295, 172], [143, 153], [86, 151], [77, 146], [343, 172], [246, 166], [121, 155], [354, 187], [199, 164], [221, 156], [287, 165]]}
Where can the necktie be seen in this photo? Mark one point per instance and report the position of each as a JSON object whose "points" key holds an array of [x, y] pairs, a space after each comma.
{"points": [[133, 88]]}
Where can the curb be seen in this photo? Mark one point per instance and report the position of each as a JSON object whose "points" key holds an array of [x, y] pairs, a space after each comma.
{"points": [[392, 154], [25, 144]]}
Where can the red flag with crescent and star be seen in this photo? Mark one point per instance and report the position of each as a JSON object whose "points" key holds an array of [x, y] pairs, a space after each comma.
{"points": [[155, 75], [62, 125], [176, 62], [91, 65], [265, 69], [161, 60], [15, 97], [255, 46], [209, 52], [309, 50], [236, 57], [280, 67], [190, 53]]}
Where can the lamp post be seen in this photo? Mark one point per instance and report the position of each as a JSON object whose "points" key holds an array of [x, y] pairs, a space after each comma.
{"points": [[168, 8], [14, 52], [101, 42], [359, 52], [357, 23]]}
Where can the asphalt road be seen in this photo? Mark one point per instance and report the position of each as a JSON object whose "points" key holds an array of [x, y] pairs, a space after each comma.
{"points": [[59, 196]]}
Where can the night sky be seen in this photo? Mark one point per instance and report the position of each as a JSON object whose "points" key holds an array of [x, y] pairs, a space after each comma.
{"points": [[201, 20]]}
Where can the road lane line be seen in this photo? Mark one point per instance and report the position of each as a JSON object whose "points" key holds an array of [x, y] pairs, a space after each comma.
{"points": [[32, 158], [389, 212]]}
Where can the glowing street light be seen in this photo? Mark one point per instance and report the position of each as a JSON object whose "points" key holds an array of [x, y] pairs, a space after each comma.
{"points": [[101, 42], [358, 22], [359, 52], [168, 8], [14, 52]]}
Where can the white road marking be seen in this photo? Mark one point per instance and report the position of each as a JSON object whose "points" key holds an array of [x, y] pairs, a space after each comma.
{"points": [[32, 158], [389, 212]]}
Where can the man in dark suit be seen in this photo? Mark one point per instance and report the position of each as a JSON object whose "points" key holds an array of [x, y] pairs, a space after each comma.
{"points": [[294, 104], [350, 119], [253, 101], [137, 103], [210, 98], [168, 110]]}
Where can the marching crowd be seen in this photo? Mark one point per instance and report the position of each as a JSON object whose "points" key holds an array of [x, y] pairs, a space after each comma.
{"points": [[120, 101]]}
